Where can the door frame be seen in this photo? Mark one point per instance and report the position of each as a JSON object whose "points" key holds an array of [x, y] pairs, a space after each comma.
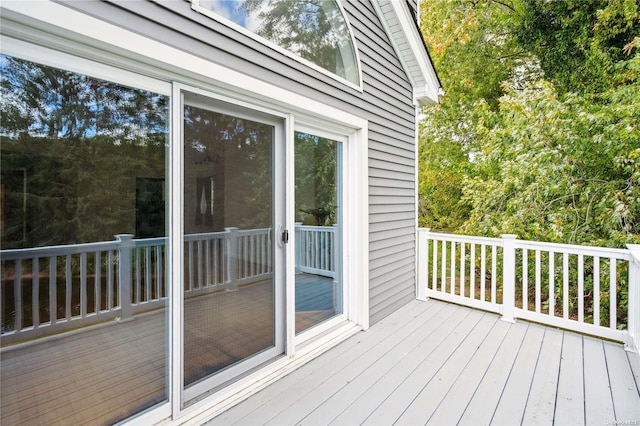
{"points": [[279, 122]]}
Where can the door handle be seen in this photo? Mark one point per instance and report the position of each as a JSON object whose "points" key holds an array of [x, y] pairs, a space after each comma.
{"points": [[283, 236]]}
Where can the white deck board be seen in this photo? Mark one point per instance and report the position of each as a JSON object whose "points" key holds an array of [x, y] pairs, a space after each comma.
{"points": [[439, 364], [266, 405], [514, 396], [367, 377], [424, 405], [397, 402], [298, 407], [541, 402], [597, 391], [570, 397], [367, 402], [448, 411], [624, 389], [481, 405]]}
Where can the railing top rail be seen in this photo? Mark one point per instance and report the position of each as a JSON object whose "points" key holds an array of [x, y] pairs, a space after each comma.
{"points": [[258, 231], [315, 227], [61, 250], [462, 238], [144, 242], [205, 236], [612, 253]]}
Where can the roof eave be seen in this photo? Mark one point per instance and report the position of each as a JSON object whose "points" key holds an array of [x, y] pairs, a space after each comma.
{"points": [[407, 41]]}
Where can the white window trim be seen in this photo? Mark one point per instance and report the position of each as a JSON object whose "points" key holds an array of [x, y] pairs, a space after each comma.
{"points": [[57, 27], [195, 5]]}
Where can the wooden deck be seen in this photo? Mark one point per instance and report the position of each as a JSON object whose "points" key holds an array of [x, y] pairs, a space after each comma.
{"points": [[429, 363], [441, 364], [99, 376]]}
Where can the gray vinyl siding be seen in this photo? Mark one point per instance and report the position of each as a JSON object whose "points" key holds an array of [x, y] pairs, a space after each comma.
{"points": [[386, 102]]}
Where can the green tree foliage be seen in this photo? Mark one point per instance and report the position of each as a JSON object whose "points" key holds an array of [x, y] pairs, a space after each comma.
{"points": [[473, 52], [579, 43], [549, 153], [316, 165], [559, 168]]}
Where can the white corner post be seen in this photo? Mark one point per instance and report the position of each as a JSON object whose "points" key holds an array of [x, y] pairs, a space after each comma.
{"points": [[423, 263], [232, 258], [124, 276], [508, 276], [633, 316]]}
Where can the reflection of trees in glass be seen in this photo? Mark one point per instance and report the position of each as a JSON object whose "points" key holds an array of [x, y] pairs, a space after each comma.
{"points": [[315, 179], [237, 154], [313, 29], [81, 142]]}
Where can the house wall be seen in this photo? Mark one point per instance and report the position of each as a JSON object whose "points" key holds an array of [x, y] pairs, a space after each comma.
{"points": [[386, 102]]}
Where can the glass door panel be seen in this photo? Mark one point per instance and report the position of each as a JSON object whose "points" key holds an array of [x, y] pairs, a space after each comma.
{"points": [[231, 293], [83, 234], [318, 233]]}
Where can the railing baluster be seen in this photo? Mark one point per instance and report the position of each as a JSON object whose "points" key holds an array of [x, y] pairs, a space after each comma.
{"points": [[110, 283], [552, 286], [472, 272], [434, 282], [613, 295], [565, 285], [216, 261], [98, 281], [452, 284], [159, 274], [443, 273], [538, 282], [207, 253], [17, 295], [483, 271], [580, 288], [190, 261], [596, 290], [525, 279], [68, 288], [147, 274], [53, 296], [494, 273], [35, 292], [83, 285], [199, 256], [138, 273], [463, 254]]}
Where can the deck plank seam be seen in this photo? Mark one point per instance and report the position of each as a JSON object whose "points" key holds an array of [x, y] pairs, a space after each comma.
{"points": [[441, 366]]}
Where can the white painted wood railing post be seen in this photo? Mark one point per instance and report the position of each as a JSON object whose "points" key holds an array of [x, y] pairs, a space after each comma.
{"points": [[633, 315], [232, 258], [126, 244], [508, 276], [423, 264]]}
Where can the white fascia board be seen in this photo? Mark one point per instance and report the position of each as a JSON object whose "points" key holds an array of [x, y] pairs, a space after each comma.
{"points": [[407, 42]]}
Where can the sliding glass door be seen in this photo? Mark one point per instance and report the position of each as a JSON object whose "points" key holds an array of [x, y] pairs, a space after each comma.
{"points": [[319, 291], [233, 290]]}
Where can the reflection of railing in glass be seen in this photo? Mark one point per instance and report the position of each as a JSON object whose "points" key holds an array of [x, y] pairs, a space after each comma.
{"points": [[315, 247], [85, 284]]}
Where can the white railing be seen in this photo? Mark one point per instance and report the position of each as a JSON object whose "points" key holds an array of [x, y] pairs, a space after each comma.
{"points": [[54, 289], [57, 288], [568, 286], [315, 249]]}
